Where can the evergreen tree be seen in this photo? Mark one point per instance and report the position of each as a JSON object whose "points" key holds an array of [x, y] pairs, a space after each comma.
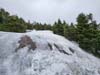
{"points": [[58, 27], [87, 37], [65, 29], [72, 32]]}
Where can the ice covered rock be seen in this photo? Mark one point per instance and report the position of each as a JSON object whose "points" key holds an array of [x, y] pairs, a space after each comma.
{"points": [[43, 53]]}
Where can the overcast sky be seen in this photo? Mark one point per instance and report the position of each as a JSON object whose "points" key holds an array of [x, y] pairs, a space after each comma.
{"points": [[50, 10]]}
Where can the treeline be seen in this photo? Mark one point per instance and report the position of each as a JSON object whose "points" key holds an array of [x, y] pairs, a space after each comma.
{"points": [[86, 32]]}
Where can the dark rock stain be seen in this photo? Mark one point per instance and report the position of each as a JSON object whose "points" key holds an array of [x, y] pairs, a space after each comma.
{"points": [[26, 41]]}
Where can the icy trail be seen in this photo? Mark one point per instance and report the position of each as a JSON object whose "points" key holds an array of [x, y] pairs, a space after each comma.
{"points": [[43, 53]]}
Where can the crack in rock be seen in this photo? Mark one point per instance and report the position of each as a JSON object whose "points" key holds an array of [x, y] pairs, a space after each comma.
{"points": [[61, 50]]}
